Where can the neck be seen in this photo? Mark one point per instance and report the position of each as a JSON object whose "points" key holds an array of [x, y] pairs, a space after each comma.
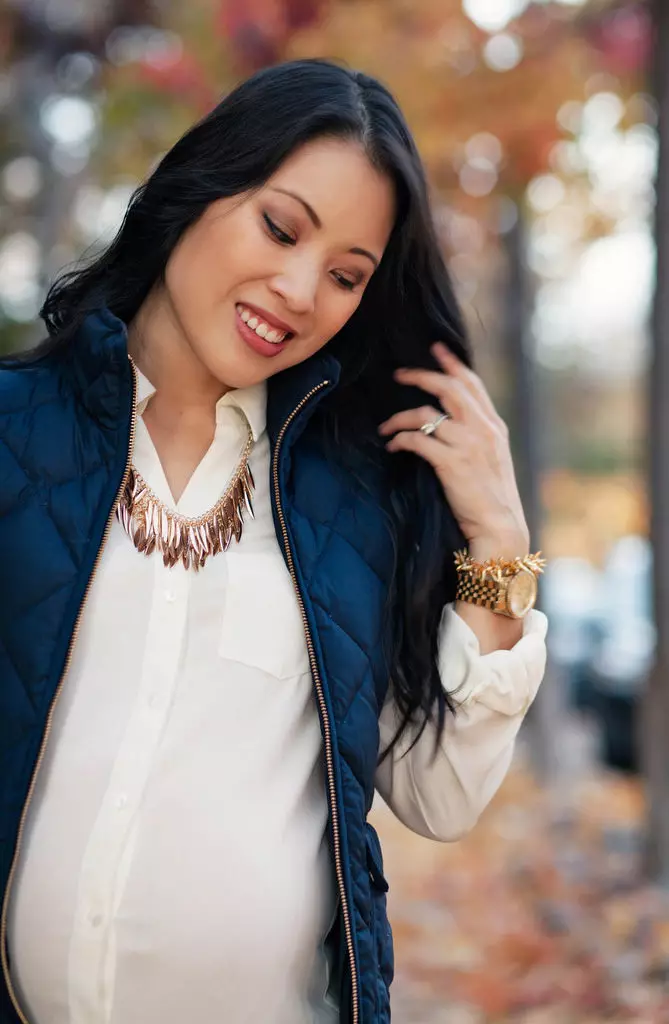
{"points": [[161, 350]]}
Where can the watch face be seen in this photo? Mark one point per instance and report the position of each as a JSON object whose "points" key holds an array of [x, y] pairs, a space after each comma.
{"points": [[521, 593]]}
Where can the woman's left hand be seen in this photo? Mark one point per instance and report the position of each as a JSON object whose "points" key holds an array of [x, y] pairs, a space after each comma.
{"points": [[469, 452]]}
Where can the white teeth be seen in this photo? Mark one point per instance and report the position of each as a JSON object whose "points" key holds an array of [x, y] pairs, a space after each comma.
{"points": [[263, 330]]}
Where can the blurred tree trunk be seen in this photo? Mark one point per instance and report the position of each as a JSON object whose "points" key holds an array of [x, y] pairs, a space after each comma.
{"points": [[547, 715], [654, 753]]}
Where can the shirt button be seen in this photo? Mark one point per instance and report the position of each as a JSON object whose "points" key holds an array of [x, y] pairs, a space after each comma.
{"points": [[121, 801], [170, 596], [153, 700], [96, 920]]}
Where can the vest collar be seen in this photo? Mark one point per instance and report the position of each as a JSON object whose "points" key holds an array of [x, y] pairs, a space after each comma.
{"points": [[287, 389], [97, 358]]}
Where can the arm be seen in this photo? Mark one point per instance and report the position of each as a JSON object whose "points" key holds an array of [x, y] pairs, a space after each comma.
{"points": [[491, 664], [442, 797]]}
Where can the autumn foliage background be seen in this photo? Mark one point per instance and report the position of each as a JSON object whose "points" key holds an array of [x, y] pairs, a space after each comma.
{"points": [[537, 123]]}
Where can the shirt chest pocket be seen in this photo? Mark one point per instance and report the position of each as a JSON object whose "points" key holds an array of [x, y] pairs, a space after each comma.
{"points": [[262, 623]]}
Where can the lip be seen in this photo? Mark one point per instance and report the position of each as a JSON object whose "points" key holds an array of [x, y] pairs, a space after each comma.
{"points": [[255, 342], [273, 321]]}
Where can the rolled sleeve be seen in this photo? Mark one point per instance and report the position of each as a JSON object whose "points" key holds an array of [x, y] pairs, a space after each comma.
{"points": [[442, 794]]}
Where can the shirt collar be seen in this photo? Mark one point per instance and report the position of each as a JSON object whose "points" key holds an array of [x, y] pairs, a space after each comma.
{"points": [[251, 401]]}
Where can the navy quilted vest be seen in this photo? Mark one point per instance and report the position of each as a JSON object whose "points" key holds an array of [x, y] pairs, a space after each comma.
{"points": [[64, 433]]}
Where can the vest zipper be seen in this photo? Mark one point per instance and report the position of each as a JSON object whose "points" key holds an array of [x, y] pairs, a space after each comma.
{"points": [[47, 729], [327, 734], [319, 696]]}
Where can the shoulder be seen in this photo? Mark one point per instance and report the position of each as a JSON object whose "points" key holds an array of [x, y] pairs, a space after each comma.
{"points": [[35, 421], [28, 383]]}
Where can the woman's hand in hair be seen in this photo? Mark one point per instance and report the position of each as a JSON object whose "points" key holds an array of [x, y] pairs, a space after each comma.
{"points": [[469, 452]]}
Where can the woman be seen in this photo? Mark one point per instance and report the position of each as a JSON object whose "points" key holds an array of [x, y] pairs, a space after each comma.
{"points": [[197, 705]]}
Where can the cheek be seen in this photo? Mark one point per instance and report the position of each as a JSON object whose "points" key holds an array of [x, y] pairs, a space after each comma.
{"points": [[333, 311], [190, 276], [200, 271], [337, 309]]}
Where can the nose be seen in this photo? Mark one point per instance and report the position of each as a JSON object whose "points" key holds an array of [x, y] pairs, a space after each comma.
{"points": [[297, 286]]}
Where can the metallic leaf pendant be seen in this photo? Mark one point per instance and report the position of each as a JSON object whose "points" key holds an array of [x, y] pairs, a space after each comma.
{"points": [[153, 527]]}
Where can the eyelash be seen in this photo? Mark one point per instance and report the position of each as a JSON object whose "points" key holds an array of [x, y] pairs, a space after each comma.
{"points": [[344, 282], [275, 230], [285, 239]]}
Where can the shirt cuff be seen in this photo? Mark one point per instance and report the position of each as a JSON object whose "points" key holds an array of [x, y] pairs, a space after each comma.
{"points": [[505, 681]]}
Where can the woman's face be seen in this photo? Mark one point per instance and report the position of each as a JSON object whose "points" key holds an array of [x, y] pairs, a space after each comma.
{"points": [[295, 256]]}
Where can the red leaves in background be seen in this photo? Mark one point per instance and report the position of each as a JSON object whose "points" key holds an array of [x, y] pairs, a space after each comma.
{"points": [[623, 37], [180, 75], [258, 29]]}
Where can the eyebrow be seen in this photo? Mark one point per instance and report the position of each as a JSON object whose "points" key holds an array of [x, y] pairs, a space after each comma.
{"points": [[317, 222]]}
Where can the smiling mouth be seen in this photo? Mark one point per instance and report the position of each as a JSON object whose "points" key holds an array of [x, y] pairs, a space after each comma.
{"points": [[270, 334]]}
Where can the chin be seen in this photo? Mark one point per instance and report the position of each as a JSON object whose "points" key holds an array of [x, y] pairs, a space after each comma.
{"points": [[238, 367], [233, 371], [239, 375]]}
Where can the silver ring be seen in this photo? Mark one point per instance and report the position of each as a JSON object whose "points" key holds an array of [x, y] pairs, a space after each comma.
{"points": [[429, 428]]}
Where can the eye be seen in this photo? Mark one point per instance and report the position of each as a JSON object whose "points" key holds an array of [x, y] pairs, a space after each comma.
{"points": [[276, 232], [345, 282]]}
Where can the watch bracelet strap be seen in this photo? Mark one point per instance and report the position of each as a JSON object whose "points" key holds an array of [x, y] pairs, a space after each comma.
{"points": [[474, 590]]}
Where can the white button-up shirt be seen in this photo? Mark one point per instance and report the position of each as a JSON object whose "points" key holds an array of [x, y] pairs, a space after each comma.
{"points": [[175, 864]]}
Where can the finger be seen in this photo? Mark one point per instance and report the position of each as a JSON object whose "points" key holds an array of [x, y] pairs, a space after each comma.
{"points": [[470, 380], [429, 448], [414, 419], [452, 394]]}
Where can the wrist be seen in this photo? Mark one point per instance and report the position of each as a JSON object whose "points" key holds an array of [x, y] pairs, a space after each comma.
{"points": [[499, 545]]}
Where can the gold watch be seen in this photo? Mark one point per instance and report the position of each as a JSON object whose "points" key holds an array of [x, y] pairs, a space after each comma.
{"points": [[505, 587]]}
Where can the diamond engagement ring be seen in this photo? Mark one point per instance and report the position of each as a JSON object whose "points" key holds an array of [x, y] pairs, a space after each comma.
{"points": [[429, 428]]}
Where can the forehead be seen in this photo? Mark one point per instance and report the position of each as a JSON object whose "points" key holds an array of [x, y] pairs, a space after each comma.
{"points": [[352, 199]]}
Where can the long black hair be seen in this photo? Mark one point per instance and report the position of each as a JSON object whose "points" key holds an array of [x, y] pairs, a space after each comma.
{"points": [[408, 305]]}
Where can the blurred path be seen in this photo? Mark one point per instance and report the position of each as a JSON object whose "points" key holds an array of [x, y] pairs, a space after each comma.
{"points": [[538, 916]]}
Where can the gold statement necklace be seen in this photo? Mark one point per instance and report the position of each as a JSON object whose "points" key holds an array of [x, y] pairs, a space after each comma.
{"points": [[152, 526]]}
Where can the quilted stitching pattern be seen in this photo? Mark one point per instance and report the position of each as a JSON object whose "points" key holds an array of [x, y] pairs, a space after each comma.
{"points": [[63, 444], [345, 556], [62, 454]]}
